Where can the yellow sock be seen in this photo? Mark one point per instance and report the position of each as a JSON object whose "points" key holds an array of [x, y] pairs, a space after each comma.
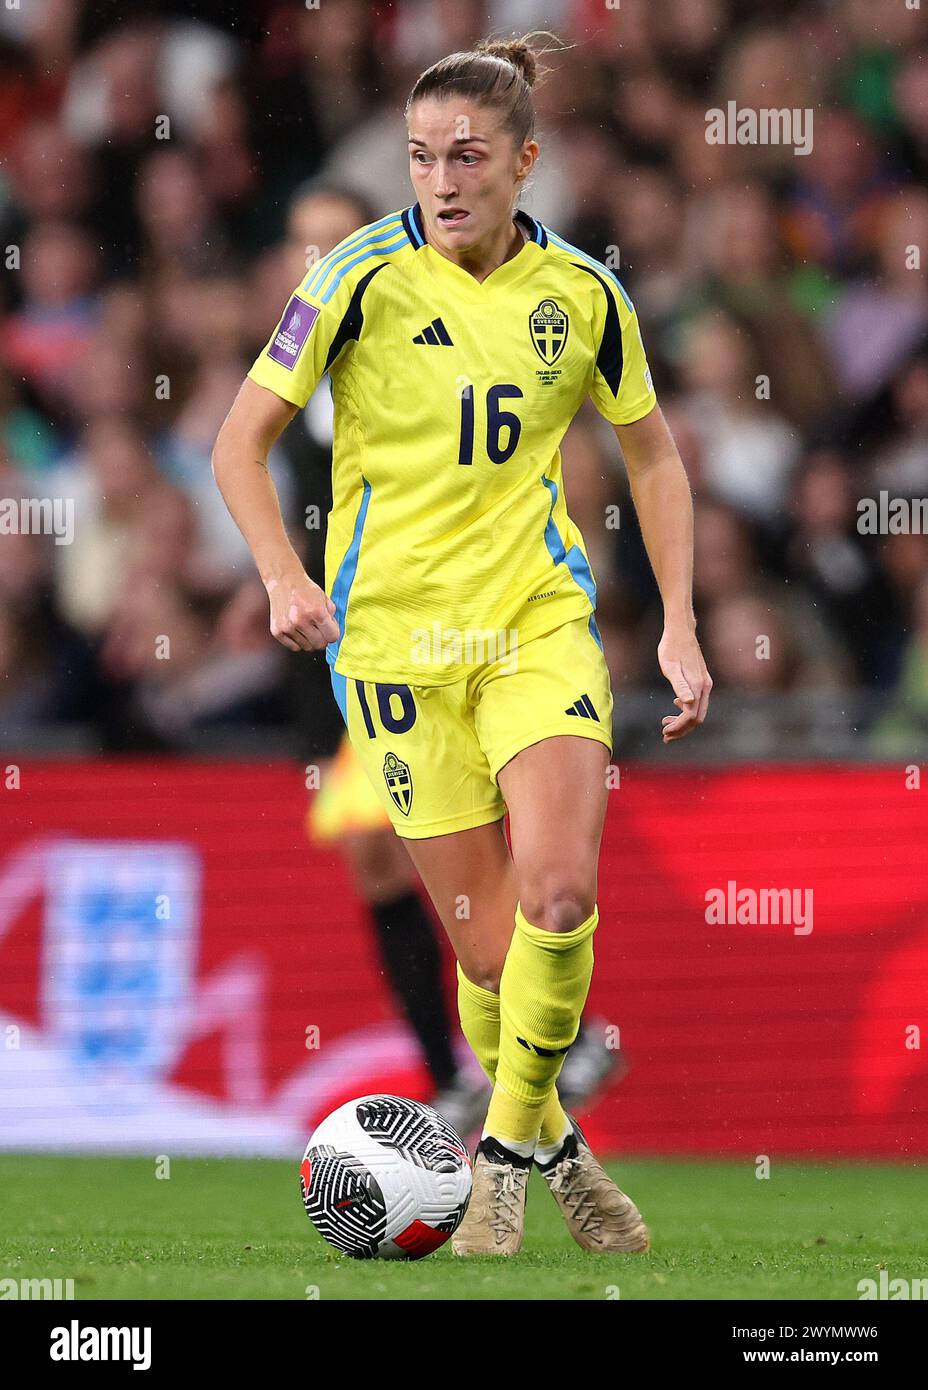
{"points": [[478, 1010], [544, 985], [554, 1122]]}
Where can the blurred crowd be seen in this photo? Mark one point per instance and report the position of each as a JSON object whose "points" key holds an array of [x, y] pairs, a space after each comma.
{"points": [[165, 168]]}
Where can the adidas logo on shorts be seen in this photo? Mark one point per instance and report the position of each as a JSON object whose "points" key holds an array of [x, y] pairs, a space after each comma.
{"points": [[584, 708]]}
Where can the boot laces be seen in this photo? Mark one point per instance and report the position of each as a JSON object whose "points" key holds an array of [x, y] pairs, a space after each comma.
{"points": [[506, 1199], [567, 1181]]}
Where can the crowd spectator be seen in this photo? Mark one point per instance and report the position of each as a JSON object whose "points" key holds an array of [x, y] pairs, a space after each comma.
{"points": [[167, 171]]}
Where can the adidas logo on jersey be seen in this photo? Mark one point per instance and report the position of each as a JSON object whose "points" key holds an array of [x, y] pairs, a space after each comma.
{"points": [[584, 708], [436, 334]]}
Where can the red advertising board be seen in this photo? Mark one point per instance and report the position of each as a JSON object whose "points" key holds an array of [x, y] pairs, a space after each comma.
{"points": [[181, 969]]}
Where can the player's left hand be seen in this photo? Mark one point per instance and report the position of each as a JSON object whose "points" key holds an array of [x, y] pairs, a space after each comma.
{"points": [[682, 662]]}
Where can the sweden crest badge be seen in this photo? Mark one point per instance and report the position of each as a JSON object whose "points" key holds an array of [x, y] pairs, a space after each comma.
{"points": [[399, 782], [548, 326]]}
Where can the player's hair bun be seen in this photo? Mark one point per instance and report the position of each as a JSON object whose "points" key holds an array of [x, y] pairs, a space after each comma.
{"points": [[486, 74], [514, 51]]}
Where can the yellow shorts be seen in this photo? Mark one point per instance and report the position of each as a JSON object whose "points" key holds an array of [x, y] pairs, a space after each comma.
{"points": [[433, 753]]}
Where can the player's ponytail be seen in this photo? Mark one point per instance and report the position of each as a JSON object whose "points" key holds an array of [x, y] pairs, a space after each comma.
{"points": [[499, 73]]}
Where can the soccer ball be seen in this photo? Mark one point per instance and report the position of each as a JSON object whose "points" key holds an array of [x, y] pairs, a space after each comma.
{"points": [[385, 1178]]}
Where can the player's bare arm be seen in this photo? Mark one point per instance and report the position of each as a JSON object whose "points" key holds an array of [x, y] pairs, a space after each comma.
{"points": [[662, 498], [300, 613]]}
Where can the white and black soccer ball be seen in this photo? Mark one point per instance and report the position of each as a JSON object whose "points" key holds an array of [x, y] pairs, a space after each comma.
{"points": [[385, 1178]]}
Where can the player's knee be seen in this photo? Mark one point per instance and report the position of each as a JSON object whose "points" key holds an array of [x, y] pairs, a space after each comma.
{"points": [[485, 974], [559, 905]]}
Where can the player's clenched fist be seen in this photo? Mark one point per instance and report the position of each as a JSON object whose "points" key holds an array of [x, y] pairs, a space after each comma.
{"points": [[302, 615]]}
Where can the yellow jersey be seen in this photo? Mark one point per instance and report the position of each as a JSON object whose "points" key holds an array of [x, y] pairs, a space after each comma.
{"points": [[449, 527]]}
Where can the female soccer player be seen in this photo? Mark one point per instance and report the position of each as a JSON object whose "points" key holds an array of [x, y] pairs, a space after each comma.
{"points": [[461, 337]]}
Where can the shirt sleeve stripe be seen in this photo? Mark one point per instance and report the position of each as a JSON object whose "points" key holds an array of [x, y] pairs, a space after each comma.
{"points": [[368, 242]]}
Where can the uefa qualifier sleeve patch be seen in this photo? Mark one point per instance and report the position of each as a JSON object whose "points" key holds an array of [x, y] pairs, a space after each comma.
{"points": [[294, 329]]}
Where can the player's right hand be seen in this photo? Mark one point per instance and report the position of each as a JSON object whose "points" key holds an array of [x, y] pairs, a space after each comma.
{"points": [[302, 615]]}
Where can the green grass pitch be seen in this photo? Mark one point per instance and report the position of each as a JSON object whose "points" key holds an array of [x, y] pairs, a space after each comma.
{"points": [[235, 1229]]}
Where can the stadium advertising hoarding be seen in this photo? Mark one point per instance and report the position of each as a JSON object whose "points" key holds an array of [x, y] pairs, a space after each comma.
{"points": [[182, 971]]}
